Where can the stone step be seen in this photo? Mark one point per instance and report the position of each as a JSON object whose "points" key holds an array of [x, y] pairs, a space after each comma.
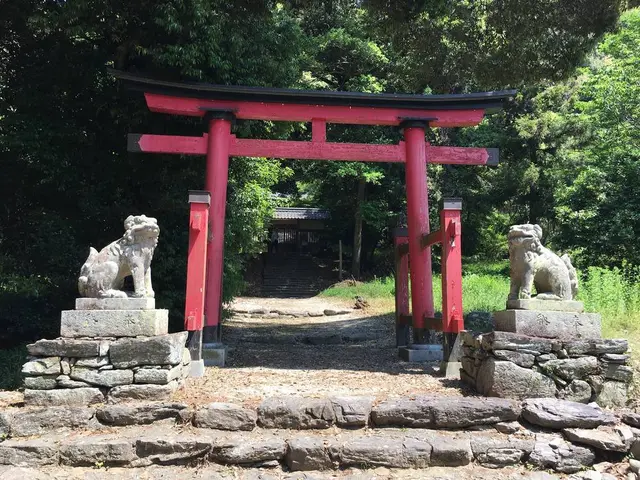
{"points": [[143, 446]]}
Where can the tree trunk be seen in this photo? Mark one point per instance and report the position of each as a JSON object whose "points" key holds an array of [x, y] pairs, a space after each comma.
{"points": [[357, 231]]}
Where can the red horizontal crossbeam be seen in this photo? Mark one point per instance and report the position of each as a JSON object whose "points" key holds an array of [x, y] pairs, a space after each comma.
{"points": [[287, 112], [358, 152]]}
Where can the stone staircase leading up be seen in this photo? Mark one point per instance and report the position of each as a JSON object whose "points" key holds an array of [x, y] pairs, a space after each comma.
{"points": [[290, 275]]}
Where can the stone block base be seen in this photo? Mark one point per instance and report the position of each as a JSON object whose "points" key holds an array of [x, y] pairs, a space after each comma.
{"points": [[421, 353], [549, 324], [115, 303], [546, 305], [74, 372], [197, 369], [214, 354], [511, 365], [114, 323]]}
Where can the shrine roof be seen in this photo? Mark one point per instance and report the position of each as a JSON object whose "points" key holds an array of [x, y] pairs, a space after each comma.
{"points": [[487, 101], [300, 213]]}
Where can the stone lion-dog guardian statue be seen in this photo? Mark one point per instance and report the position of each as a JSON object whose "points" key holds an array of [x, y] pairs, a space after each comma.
{"points": [[103, 273], [532, 264]]}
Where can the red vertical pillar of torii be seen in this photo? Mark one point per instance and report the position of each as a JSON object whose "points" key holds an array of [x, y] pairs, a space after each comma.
{"points": [[216, 176], [418, 225]]}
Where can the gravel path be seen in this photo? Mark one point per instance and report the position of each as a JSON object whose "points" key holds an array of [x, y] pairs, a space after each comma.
{"points": [[350, 354]]}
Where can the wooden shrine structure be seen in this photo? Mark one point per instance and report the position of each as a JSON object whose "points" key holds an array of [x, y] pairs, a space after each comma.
{"points": [[220, 105]]}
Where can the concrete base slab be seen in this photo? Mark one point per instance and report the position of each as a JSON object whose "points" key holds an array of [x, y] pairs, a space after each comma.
{"points": [[197, 369], [115, 303], [114, 323], [421, 353], [214, 354], [549, 324], [451, 369], [546, 305]]}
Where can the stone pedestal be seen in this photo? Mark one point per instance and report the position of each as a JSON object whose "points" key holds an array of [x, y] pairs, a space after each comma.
{"points": [[421, 353], [547, 353], [111, 350], [214, 354]]}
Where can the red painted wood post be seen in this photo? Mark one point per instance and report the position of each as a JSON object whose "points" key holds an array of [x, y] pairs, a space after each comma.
{"points": [[451, 228], [418, 226], [403, 315], [452, 313], [217, 174], [196, 273]]}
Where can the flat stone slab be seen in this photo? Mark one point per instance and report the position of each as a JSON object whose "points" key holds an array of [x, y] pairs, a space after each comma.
{"points": [[549, 324], [114, 323], [546, 305], [603, 438], [63, 397], [508, 380], [140, 414], [554, 413], [436, 412], [68, 347], [165, 349], [296, 413], [225, 416], [115, 303]]}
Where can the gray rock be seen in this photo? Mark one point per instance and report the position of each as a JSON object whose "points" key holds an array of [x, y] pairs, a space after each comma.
{"points": [[5, 424], [603, 438], [27, 422], [177, 448], [87, 452], [518, 342], [186, 356], [65, 366], [631, 418], [450, 452], [40, 383], [67, 347], [571, 368], [634, 465], [92, 362], [621, 373], [612, 394], [524, 360], [157, 350], [42, 366], [113, 323], [635, 448], [103, 378], [494, 452], [561, 456], [243, 451], [451, 412], [64, 381], [615, 358], [225, 416], [332, 312], [546, 357], [308, 453], [158, 376], [63, 397], [508, 427], [143, 414], [560, 325], [577, 391], [295, 413], [28, 453], [378, 452], [149, 392], [597, 346], [351, 411], [507, 380], [554, 413]]}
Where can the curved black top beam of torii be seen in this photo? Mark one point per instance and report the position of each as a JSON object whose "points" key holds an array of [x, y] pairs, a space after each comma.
{"points": [[487, 101]]}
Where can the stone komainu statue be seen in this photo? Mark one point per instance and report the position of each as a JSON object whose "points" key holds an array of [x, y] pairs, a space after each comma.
{"points": [[534, 265], [103, 274]]}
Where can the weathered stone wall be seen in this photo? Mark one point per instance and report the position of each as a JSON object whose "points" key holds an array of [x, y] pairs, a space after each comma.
{"points": [[512, 365], [110, 350]]}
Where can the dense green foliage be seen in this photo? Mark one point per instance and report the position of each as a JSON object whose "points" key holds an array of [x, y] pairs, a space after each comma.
{"points": [[569, 141]]}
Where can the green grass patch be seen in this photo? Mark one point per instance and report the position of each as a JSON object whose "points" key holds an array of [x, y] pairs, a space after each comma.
{"points": [[11, 361]]}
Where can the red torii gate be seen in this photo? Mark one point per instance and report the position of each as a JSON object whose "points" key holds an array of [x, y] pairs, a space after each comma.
{"points": [[220, 105]]}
